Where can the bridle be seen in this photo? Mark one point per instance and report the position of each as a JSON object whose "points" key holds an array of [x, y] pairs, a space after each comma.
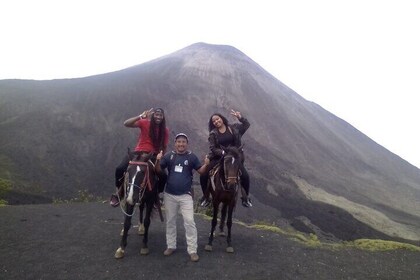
{"points": [[142, 187], [230, 179], [146, 180], [224, 178]]}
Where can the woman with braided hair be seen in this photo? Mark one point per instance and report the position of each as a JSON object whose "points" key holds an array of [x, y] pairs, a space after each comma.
{"points": [[153, 137]]}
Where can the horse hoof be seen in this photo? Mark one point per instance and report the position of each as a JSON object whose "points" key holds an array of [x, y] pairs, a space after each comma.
{"points": [[141, 229], [144, 251], [119, 253], [222, 234], [229, 249], [208, 248]]}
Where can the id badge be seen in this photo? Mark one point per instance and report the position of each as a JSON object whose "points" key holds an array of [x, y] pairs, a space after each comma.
{"points": [[178, 168]]}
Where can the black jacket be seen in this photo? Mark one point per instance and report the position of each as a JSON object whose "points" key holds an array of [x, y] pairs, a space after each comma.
{"points": [[237, 129]]}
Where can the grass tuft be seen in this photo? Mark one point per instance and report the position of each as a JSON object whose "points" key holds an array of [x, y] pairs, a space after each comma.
{"points": [[83, 196], [312, 240], [380, 245]]}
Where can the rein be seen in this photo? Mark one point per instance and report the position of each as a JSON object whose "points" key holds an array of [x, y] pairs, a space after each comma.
{"points": [[146, 183], [235, 178], [224, 179]]}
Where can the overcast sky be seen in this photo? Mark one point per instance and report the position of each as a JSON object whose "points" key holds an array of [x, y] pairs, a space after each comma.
{"points": [[358, 59]]}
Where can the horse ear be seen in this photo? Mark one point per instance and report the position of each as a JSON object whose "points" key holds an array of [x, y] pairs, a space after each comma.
{"points": [[129, 153]]}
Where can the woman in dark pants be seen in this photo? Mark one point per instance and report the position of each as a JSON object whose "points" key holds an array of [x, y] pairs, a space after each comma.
{"points": [[154, 136], [222, 134]]}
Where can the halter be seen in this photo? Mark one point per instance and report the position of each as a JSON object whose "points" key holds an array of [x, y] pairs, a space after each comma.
{"points": [[145, 183], [146, 180], [235, 178], [224, 182]]}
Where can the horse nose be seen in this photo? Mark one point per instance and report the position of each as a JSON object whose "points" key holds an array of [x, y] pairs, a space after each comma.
{"points": [[231, 184]]}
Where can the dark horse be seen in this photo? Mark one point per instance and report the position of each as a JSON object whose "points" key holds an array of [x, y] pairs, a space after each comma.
{"points": [[139, 187], [223, 184]]}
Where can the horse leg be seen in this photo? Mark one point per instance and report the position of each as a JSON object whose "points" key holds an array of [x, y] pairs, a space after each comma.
{"points": [[209, 246], [149, 207], [222, 220], [229, 248], [141, 225], [127, 224]]}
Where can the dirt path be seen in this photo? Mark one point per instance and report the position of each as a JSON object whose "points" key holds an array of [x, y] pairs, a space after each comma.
{"points": [[78, 241]]}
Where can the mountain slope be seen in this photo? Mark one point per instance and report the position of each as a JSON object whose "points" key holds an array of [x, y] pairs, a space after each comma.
{"points": [[67, 135]]}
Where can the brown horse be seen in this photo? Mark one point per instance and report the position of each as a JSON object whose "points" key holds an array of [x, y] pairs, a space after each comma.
{"points": [[224, 184], [139, 187]]}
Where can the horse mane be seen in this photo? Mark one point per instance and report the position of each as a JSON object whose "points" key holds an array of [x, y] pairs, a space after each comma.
{"points": [[234, 151]]}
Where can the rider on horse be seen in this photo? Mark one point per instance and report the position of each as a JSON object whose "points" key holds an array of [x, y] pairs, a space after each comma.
{"points": [[154, 137], [222, 134]]}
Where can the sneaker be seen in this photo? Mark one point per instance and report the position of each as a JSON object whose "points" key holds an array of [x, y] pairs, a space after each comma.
{"points": [[169, 252], [249, 202], [204, 202], [114, 201], [246, 202], [161, 200], [194, 257]]}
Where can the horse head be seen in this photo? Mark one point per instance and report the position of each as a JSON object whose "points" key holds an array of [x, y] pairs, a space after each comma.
{"points": [[231, 165], [138, 178]]}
